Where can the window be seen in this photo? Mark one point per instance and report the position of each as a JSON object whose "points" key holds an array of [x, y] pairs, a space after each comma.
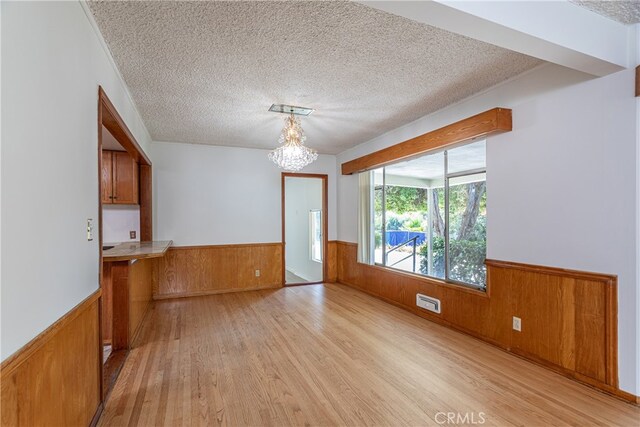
{"points": [[429, 215], [378, 214], [315, 228]]}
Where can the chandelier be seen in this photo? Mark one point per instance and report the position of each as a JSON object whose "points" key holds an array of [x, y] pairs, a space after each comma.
{"points": [[292, 155]]}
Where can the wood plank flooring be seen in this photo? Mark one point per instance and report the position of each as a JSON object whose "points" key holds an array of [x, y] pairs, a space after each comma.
{"points": [[331, 355]]}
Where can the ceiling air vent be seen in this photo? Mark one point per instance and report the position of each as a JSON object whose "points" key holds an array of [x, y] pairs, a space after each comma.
{"points": [[428, 303], [290, 109]]}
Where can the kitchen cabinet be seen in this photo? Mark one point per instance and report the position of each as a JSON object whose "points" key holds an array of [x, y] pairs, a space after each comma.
{"points": [[119, 178]]}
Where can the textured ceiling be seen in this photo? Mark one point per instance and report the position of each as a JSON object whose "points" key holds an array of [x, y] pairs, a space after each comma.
{"points": [[206, 72], [627, 12]]}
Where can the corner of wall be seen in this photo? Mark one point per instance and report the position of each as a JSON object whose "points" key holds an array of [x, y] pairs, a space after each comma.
{"points": [[145, 139], [635, 54]]}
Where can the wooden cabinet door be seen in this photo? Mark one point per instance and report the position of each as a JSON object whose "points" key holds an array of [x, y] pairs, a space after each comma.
{"points": [[125, 179], [107, 177]]}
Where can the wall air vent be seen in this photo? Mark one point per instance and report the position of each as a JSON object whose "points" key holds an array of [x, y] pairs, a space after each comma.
{"points": [[428, 303]]}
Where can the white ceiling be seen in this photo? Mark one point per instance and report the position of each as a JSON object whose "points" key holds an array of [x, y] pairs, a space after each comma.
{"points": [[463, 158], [626, 12], [206, 72]]}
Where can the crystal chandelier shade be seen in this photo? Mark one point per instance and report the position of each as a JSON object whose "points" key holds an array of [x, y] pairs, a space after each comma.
{"points": [[292, 155]]}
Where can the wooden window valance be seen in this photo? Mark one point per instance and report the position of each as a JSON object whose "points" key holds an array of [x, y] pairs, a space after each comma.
{"points": [[494, 121]]}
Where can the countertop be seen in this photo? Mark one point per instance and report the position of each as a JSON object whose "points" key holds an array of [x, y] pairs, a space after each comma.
{"points": [[136, 250]]}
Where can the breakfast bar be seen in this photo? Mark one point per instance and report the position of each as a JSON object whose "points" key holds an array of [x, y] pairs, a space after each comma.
{"points": [[127, 289]]}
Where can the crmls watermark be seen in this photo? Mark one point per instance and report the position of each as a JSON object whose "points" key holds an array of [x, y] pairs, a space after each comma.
{"points": [[456, 418]]}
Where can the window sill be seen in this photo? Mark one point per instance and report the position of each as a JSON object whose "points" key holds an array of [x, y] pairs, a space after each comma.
{"points": [[433, 281]]}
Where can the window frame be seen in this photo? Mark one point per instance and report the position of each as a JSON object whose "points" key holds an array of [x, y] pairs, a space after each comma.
{"points": [[446, 177], [315, 223]]}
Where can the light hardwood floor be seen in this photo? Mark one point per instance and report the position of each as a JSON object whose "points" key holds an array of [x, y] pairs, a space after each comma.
{"points": [[331, 355]]}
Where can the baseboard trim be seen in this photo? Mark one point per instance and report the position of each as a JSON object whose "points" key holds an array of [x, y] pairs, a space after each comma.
{"points": [[26, 351], [599, 386], [97, 415], [342, 242], [214, 292], [626, 396], [237, 245]]}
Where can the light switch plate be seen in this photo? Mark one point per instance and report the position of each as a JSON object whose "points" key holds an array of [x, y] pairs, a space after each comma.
{"points": [[89, 229], [257, 273]]}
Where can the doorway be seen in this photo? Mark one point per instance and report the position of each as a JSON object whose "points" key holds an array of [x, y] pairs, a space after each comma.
{"points": [[304, 228], [119, 154]]}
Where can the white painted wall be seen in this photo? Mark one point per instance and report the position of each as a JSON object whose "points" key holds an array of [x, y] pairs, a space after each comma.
{"points": [[636, 30], [208, 195], [52, 64], [562, 187], [302, 196], [118, 221]]}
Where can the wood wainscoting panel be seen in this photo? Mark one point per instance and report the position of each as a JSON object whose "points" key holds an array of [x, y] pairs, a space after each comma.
{"points": [[332, 261], [537, 300], [130, 286], [140, 294], [590, 331], [55, 379], [107, 304], [572, 318], [201, 270], [569, 318], [120, 304]]}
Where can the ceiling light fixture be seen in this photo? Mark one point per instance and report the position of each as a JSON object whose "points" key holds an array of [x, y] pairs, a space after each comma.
{"points": [[292, 155]]}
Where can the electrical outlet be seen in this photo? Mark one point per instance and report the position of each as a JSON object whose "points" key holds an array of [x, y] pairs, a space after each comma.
{"points": [[257, 273], [517, 324], [89, 229], [132, 234]]}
